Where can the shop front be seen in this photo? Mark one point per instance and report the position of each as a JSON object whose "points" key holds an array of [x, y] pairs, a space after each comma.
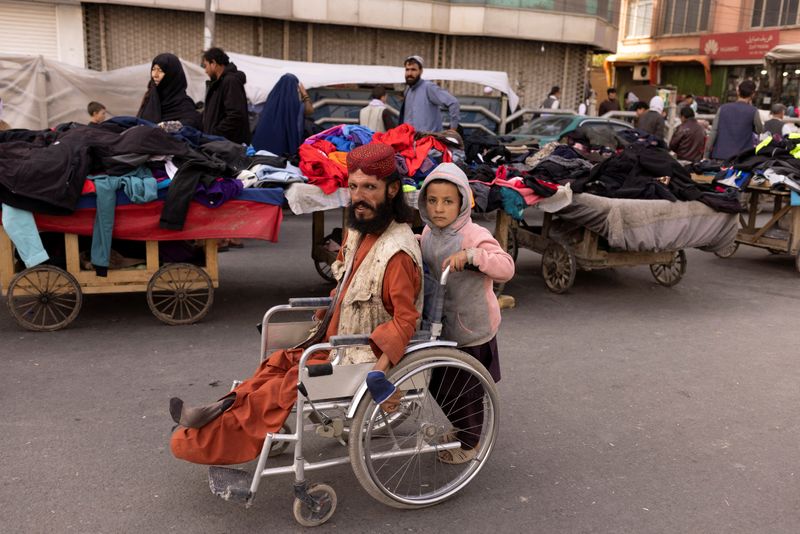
{"points": [[736, 57]]}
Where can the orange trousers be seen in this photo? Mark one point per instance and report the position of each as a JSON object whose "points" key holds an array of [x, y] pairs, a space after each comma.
{"points": [[262, 405]]}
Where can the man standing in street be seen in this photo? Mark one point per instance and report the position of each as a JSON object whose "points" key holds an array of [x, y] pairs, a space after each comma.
{"points": [[552, 100], [225, 111], [734, 125], [775, 126], [424, 99], [689, 138], [652, 120], [375, 115], [612, 104]]}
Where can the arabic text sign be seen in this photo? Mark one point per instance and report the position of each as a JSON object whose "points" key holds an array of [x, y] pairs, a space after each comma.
{"points": [[743, 45]]}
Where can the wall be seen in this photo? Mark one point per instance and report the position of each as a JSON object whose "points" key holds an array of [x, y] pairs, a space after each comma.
{"points": [[119, 36]]}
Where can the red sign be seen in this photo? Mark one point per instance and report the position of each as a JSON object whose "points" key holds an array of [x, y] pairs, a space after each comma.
{"points": [[743, 45]]}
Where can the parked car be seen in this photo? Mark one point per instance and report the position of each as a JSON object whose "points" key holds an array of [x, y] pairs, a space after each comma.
{"points": [[555, 127]]}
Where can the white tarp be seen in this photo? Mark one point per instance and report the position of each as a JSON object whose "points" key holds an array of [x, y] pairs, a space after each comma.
{"points": [[789, 53], [39, 93], [263, 73]]}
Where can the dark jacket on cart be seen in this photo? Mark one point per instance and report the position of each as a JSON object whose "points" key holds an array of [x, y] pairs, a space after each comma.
{"points": [[225, 111]]}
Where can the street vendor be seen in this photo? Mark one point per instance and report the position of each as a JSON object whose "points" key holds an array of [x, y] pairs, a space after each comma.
{"points": [[423, 100], [379, 273]]}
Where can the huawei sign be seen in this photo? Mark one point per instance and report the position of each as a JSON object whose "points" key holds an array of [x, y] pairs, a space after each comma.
{"points": [[743, 45], [711, 48]]}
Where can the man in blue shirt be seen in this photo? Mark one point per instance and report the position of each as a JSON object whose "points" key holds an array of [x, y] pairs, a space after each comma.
{"points": [[424, 100]]}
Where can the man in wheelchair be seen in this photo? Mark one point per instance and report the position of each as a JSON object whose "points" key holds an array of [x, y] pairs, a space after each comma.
{"points": [[379, 273]]}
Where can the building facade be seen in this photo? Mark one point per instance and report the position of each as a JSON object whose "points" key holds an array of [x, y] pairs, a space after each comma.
{"points": [[706, 47], [539, 43]]}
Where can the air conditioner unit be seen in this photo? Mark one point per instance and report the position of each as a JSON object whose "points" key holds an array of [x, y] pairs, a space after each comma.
{"points": [[641, 72]]}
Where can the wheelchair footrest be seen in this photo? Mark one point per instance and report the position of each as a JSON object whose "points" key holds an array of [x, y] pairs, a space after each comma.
{"points": [[230, 484]]}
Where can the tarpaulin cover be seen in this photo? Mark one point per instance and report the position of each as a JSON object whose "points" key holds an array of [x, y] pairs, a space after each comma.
{"points": [[40, 93], [139, 222]]}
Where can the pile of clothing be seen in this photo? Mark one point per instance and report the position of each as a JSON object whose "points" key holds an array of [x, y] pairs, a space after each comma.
{"points": [[119, 161], [773, 163], [323, 157]]}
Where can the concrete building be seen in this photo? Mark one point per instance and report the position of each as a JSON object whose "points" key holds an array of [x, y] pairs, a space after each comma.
{"points": [[706, 47], [539, 43]]}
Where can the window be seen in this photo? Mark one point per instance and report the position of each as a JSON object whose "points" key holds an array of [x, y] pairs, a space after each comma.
{"points": [[685, 16], [767, 13], [640, 18]]}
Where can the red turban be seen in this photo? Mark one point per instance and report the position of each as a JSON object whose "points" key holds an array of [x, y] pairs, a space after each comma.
{"points": [[375, 159]]}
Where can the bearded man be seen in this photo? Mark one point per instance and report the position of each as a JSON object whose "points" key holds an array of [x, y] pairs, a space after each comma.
{"points": [[423, 100], [379, 273]]}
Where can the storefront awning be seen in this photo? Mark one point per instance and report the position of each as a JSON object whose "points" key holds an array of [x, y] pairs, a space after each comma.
{"points": [[784, 54], [705, 61], [653, 61]]}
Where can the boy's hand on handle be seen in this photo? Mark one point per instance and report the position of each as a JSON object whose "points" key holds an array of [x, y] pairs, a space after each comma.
{"points": [[457, 261]]}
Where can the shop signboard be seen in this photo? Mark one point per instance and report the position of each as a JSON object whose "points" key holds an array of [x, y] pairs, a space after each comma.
{"points": [[741, 45]]}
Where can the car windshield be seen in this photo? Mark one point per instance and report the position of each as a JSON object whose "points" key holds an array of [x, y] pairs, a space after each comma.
{"points": [[544, 126]]}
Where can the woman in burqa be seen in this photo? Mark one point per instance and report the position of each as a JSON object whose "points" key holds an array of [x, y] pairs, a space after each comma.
{"points": [[280, 126], [166, 98]]}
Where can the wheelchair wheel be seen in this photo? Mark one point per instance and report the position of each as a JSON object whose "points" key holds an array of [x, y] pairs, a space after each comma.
{"points": [[449, 399], [309, 516]]}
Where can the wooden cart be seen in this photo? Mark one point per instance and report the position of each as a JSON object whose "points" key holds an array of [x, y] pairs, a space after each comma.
{"points": [[580, 248], [44, 297], [779, 235]]}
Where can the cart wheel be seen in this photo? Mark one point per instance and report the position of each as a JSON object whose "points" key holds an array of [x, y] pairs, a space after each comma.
{"points": [[558, 267], [279, 447], [309, 516], [324, 270], [513, 249], [180, 293], [670, 273], [44, 298], [728, 251]]}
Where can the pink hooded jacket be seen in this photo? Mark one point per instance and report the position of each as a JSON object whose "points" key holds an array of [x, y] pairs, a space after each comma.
{"points": [[471, 312]]}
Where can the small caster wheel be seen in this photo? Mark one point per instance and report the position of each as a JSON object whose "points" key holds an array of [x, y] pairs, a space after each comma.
{"points": [[728, 251], [180, 293], [279, 447], [44, 298], [558, 267], [325, 504], [670, 273]]}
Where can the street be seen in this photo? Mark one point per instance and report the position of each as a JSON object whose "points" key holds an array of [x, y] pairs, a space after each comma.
{"points": [[625, 407]]}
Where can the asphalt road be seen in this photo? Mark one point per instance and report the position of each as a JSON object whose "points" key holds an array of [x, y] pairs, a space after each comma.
{"points": [[625, 407]]}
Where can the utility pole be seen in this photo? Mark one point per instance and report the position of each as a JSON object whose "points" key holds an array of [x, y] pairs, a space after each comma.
{"points": [[210, 23]]}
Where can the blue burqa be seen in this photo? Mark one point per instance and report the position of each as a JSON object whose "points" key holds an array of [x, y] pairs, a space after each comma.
{"points": [[280, 126]]}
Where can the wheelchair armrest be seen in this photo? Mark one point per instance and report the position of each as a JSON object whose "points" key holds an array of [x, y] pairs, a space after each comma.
{"points": [[338, 341], [319, 302]]}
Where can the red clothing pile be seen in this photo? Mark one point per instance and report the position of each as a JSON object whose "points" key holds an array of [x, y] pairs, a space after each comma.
{"points": [[320, 169], [401, 139]]}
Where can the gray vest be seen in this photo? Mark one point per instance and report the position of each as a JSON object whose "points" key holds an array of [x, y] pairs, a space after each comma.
{"points": [[734, 131]]}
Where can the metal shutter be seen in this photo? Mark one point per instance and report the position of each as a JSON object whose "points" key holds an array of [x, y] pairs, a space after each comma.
{"points": [[29, 29]]}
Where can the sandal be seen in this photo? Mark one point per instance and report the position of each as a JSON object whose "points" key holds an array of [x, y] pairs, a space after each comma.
{"points": [[457, 456]]}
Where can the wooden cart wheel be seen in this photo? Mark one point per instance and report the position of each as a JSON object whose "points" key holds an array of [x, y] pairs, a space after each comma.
{"points": [[180, 293], [669, 274], [44, 298], [558, 267], [324, 270], [728, 251]]}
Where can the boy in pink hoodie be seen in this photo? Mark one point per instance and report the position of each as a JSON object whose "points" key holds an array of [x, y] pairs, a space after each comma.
{"points": [[471, 315]]}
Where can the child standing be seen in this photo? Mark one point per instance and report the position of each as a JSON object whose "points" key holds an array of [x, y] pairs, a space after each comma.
{"points": [[471, 315]]}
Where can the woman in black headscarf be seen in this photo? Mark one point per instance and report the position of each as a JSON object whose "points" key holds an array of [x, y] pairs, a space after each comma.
{"points": [[166, 98]]}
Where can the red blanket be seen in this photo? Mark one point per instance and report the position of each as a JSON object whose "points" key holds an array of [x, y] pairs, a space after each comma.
{"points": [[236, 218]]}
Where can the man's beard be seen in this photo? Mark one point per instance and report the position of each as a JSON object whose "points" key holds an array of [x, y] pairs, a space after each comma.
{"points": [[411, 81], [384, 214]]}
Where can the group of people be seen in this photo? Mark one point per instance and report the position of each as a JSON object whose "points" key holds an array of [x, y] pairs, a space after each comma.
{"points": [[380, 271]]}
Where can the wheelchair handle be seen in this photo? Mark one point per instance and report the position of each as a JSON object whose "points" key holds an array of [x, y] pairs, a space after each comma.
{"points": [[317, 302]]}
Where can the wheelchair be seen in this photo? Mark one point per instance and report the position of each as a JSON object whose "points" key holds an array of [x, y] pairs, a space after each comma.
{"points": [[395, 456]]}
